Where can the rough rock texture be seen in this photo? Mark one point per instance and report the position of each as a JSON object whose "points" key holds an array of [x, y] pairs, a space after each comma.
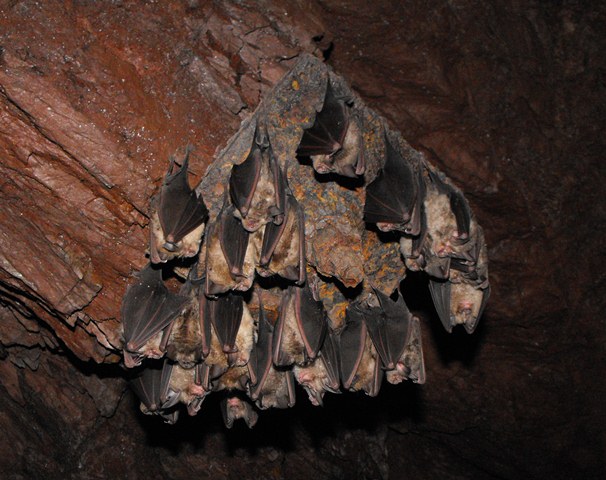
{"points": [[509, 96]]}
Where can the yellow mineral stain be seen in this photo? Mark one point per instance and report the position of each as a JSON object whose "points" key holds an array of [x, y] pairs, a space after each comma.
{"points": [[295, 85]]}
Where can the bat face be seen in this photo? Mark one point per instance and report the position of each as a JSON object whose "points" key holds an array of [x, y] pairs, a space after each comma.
{"points": [[186, 384], [391, 199], [234, 407], [258, 187], [148, 307], [283, 249]]}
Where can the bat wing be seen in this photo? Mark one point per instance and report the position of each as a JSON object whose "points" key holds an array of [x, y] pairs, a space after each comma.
{"points": [[390, 198], [260, 361], [152, 388], [458, 204], [440, 293], [271, 238], [352, 343], [329, 355], [205, 325], [226, 315], [181, 210], [311, 320], [389, 328], [147, 308], [326, 135], [471, 326], [244, 178], [234, 240], [279, 180]]}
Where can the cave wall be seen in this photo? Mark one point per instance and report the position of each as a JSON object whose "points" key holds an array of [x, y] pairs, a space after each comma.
{"points": [[509, 96]]}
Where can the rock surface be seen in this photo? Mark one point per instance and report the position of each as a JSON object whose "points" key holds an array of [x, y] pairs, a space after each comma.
{"points": [[509, 97]]}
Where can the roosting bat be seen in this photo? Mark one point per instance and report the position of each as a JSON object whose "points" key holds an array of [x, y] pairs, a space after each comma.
{"points": [[300, 329], [388, 324], [234, 407], [322, 375], [360, 364], [152, 388], [334, 142], [283, 249], [269, 387], [177, 218], [395, 198], [148, 307], [190, 386], [231, 254], [411, 364], [257, 186]]}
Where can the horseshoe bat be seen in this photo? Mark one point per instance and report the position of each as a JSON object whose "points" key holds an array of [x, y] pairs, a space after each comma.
{"points": [[300, 329], [148, 308], [283, 249], [189, 386], [235, 407], [458, 303], [360, 364], [177, 218], [388, 324], [334, 142], [231, 254], [395, 198], [269, 387], [257, 186], [411, 364], [152, 388], [323, 374]]}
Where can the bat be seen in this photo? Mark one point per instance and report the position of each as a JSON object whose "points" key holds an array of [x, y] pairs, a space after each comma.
{"points": [[234, 327], [300, 329], [148, 308], [178, 216], [234, 407], [187, 338], [359, 362], [257, 186], [322, 375], [152, 388], [231, 255], [190, 386], [411, 364], [334, 142], [458, 205], [234, 378], [395, 197], [268, 387], [283, 248], [388, 324]]}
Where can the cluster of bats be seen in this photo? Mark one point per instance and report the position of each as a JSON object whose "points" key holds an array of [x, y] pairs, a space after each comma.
{"points": [[249, 319]]}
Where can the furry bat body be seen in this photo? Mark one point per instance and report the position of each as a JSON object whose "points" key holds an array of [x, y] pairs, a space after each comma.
{"points": [[411, 364], [148, 307], [234, 407], [334, 142], [189, 386], [283, 249], [177, 218], [257, 187]]}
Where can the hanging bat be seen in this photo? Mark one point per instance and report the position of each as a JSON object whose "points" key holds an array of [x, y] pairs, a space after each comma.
{"points": [[187, 338], [360, 364], [300, 329], [190, 386], [458, 303], [322, 375], [283, 249], [178, 216], [257, 186], [268, 386], [234, 407], [334, 142], [411, 364], [231, 254], [395, 198], [148, 307], [152, 388], [388, 324]]}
